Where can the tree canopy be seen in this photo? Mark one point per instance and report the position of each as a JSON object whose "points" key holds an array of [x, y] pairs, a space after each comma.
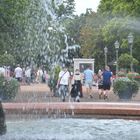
{"points": [[35, 31]]}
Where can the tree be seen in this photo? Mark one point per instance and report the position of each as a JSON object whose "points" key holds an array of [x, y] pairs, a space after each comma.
{"points": [[6, 59], [121, 18], [119, 8], [125, 61], [91, 38], [9, 25], [25, 33]]}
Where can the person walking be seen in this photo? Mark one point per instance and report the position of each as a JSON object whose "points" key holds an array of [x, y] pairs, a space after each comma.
{"points": [[18, 73], [28, 75], [100, 83], [63, 83], [76, 91], [39, 75], [89, 77], [107, 74]]}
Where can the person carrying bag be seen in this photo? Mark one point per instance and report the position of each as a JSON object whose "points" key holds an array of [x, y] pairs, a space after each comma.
{"points": [[63, 83]]}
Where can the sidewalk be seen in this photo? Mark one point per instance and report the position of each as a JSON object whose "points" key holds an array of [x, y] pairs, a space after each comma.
{"points": [[36, 100], [41, 93]]}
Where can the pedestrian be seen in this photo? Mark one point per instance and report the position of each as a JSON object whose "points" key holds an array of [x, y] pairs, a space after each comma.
{"points": [[28, 75], [2, 71], [100, 83], [107, 74], [89, 78], [39, 75], [76, 91], [44, 75], [63, 83], [18, 73], [33, 75]]}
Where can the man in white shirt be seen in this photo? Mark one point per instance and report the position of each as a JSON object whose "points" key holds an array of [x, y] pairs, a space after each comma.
{"points": [[2, 71], [63, 82], [18, 73]]}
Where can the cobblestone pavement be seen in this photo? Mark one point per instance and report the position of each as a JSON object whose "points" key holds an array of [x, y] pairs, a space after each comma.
{"points": [[41, 93]]}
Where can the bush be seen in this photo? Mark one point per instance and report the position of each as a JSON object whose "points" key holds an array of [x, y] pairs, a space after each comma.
{"points": [[8, 88], [122, 84], [121, 74], [53, 78], [132, 75]]}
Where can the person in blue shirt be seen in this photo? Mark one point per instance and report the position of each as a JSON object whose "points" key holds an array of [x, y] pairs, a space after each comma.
{"points": [[107, 74], [89, 77]]}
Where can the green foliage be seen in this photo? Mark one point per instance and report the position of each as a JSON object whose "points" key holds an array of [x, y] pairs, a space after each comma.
{"points": [[24, 29], [122, 74], [8, 88], [125, 60], [115, 24], [54, 78], [122, 84], [64, 9], [122, 17], [89, 36], [10, 18], [6, 60], [133, 75], [119, 7]]}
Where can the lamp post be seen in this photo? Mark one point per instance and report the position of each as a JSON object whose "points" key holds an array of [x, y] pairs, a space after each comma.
{"points": [[116, 44], [130, 41], [105, 52]]}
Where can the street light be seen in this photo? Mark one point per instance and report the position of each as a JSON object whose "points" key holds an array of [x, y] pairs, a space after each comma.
{"points": [[105, 52], [130, 41], [116, 44]]}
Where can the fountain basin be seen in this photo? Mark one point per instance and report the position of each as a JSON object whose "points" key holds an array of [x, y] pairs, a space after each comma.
{"points": [[72, 129], [100, 109]]}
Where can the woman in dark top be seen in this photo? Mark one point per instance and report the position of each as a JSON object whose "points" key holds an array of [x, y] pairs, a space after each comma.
{"points": [[76, 91]]}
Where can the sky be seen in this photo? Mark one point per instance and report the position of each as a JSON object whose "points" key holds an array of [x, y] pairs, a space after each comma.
{"points": [[82, 5]]}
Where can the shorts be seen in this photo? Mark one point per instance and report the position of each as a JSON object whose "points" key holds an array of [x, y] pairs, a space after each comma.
{"points": [[88, 84], [19, 79], [100, 86], [106, 86]]}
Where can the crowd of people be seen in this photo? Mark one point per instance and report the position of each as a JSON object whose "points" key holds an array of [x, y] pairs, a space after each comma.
{"points": [[72, 85], [26, 75], [68, 84]]}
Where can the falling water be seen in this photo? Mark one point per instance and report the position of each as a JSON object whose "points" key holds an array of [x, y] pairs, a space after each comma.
{"points": [[44, 33]]}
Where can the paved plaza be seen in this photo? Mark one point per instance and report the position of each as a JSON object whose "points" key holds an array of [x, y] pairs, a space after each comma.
{"points": [[41, 93], [37, 99]]}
